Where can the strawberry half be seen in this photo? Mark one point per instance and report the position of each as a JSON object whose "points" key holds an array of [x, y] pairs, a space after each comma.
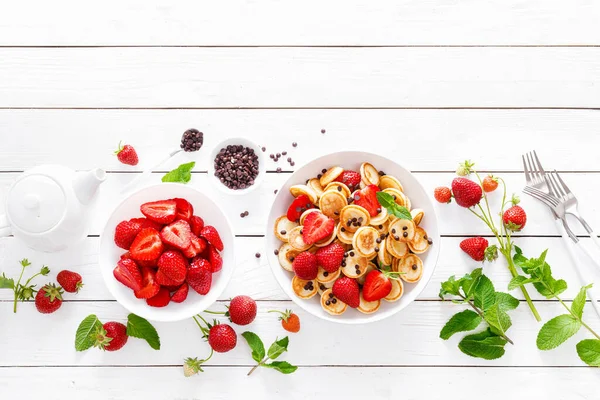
{"points": [[330, 257], [216, 261], [125, 234], [317, 226], [161, 299], [147, 245], [163, 211], [367, 199], [142, 223], [377, 286], [165, 281], [149, 285], [197, 246], [180, 294], [199, 275], [196, 223], [349, 178], [173, 265], [347, 290], [128, 273], [184, 210], [298, 206], [212, 236], [178, 234]]}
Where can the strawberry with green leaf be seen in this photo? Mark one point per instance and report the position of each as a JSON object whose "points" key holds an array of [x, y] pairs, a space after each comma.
{"points": [[25, 291]]}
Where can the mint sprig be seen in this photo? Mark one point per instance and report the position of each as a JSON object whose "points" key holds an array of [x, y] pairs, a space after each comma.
{"points": [[387, 201], [25, 291], [181, 174], [277, 348]]}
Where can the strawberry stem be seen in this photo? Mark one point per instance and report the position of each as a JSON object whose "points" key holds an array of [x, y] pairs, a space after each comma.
{"points": [[215, 312]]}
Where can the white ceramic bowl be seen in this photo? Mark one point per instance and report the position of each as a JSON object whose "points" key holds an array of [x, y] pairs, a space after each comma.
{"points": [[262, 165], [419, 199], [110, 253]]}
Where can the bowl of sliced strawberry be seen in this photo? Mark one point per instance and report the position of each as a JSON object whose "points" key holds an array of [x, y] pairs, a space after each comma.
{"points": [[166, 252]]}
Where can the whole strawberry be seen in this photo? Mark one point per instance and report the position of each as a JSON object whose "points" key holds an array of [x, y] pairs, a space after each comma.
{"points": [[442, 194], [111, 337], [192, 366], [466, 192], [126, 154], [48, 299], [305, 266], [347, 290], [242, 310], [330, 257], [70, 281], [125, 233], [289, 321], [222, 338], [515, 218], [475, 247], [490, 183]]}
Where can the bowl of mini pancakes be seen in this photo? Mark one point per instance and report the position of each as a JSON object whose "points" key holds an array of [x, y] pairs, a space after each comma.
{"points": [[341, 189]]}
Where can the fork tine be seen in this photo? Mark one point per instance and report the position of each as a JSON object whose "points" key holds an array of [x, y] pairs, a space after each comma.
{"points": [[527, 174], [539, 164], [541, 195], [537, 195], [561, 190], [563, 184], [551, 180], [534, 172]]}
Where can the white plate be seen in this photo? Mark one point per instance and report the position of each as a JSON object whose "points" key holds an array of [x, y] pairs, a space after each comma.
{"points": [[419, 199], [205, 208]]}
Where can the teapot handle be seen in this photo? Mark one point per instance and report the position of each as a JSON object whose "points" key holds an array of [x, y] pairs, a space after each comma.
{"points": [[4, 226]]}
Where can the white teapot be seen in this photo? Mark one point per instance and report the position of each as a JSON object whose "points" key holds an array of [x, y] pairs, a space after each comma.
{"points": [[46, 207]]}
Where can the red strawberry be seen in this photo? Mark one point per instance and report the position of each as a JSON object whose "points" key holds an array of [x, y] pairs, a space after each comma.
{"points": [[197, 224], [149, 285], [70, 281], [466, 192], [475, 247], [442, 194], [222, 338], [161, 299], [216, 261], [178, 234], [174, 265], [242, 310], [199, 275], [147, 245], [305, 265], [165, 281], [111, 337], [377, 285], [289, 321], [142, 223], [330, 257], [349, 178], [298, 206], [128, 273], [148, 263], [127, 154], [48, 299], [163, 211], [125, 255], [180, 294], [184, 209], [346, 289], [125, 234], [515, 218], [490, 183], [317, 226], [367, 199], [197, 246], [212, 236]]}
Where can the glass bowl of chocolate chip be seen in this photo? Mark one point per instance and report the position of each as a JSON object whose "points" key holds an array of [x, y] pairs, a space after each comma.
{"points": [[237, 166]]}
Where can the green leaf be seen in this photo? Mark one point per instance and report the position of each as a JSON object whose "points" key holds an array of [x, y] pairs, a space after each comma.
{"points": [[181, 174], [485, 344], [84, 337], [469, 281], [451, 286], [497, 319], [282, 366], [484, 293], [387, 201], [6, 283], [579, 301], [589, 352], [277, 348], [256, 345], [140, 328], [466, 320], [518, 281], [557, 331], [506, 302]]}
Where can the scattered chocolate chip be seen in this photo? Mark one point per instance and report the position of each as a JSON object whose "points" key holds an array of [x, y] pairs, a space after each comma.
{"points": [[275, 191], [192, 140], [319, 176], [283, 153], [242, 215], [278, 169], [430, 241], [292, 163], [264, 149], [324, 170], [381, 173], [271, 155], [294, 144], [336, 213], [394, 196], [424, 236], [322, 130], [289, 159], [257, 255], [301, 231], [343, 263]]}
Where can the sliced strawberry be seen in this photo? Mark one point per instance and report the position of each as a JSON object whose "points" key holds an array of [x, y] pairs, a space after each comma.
{"points": [[197, 246], [148, 263], [125, 255], [149, 285], [164, 280], [197, 224], [298, 206], [125, 234], [349, 178], [317, 226], [145, 223], [147, 245], [174, 265], [128, 273], [212, 236], [177, 234], [199, 275], [367, 198], [163, 211], [180, 294], [161, 299], [184, 209], [216, 261]]}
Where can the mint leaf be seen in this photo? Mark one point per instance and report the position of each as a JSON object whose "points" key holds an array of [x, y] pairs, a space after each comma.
{"points": [[469, 281], [451, 286], [556, 331], [84, 337], [387, 201], [256, 345], [506, 302], [140, 328], [485, 344], [518, 281], [484, 293], [277, 348], [6, 283], [589, 352], [579, 301], [181, 174], [466, 320], [282, 366], [497, 319]]}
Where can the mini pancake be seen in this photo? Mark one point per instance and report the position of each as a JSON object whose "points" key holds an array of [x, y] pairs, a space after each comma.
{"points": [[380, 218], [297, 190], [396, 248], [296, 240], [332, 202], [396, 292], [328, 277], [369, 174], [322, 286], [365, 241], [282, 224], [412, 267], [354, 265], [334, 308], [315, 185], [344, 235], [286, 256], [384, 256], [417, 215], [305, 213], [330, 175], [368, 307], [353, 215], [420, 243], [361, 279], [390, 182], [402, 230], [382, 228], [304, 289], [339, 187]]}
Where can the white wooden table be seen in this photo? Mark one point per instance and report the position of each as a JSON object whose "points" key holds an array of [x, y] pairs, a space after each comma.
{"points": [[427, 83]]}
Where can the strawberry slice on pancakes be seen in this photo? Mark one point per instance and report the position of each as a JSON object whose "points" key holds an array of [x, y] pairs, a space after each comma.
{"points": [[317, 226], [298, 206], [367, 199]]}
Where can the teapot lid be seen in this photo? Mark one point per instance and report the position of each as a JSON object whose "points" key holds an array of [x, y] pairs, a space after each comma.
{"points": [[36, 203]]}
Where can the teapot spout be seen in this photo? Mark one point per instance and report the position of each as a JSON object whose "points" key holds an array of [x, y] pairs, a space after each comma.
{"points": [[85, 184]]}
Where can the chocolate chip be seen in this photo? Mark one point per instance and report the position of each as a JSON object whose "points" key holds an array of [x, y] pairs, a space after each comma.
{"points": [[378, 240], [351, 254], [264, 149], [289, 159], [339, 188], [380, 226], [343, 263], [322, 287], [322, 130], [336, 213], [275, 191], [334, 301], [283, 153], [192, 140], [283, 232], [319, 176], [405, 234], [405, 228], [291, 259], [430, 241], [324, 170], [271, 155], [294, 144], [257, 255], [343, 229], [393, 231], [292, 163], [357, 266], [325, 273], [396, 237], [378, 210], [377, 249], [394, 196], [327, 302], [414, 267], [236, 166], [330, 295], [278, 169], [276, 251], [381, 173], [242, 215]]}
